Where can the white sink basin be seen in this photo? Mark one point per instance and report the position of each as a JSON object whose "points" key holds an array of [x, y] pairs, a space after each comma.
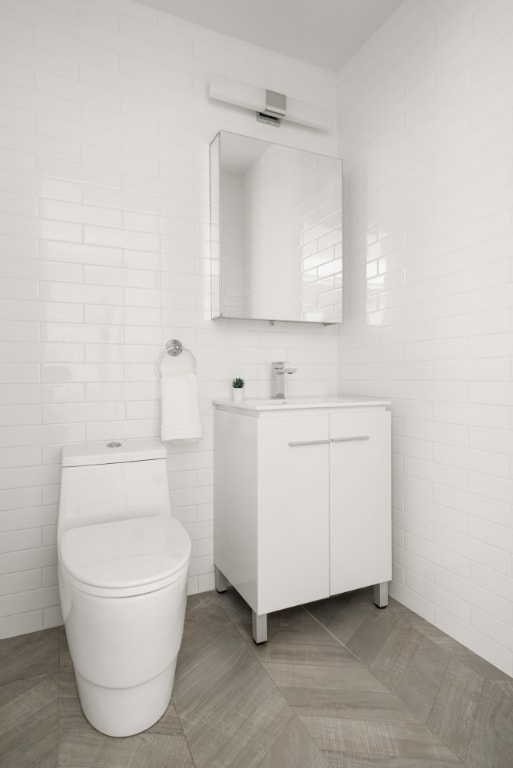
{"points": [[263, 404], [284, 401]]}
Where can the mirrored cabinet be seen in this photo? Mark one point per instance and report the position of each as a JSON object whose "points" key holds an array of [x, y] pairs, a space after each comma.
{"points": [[276, 231]]}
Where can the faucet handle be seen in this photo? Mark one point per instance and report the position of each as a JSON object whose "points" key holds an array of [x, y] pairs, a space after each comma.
{"points": [[280, 368], [287, 368]]}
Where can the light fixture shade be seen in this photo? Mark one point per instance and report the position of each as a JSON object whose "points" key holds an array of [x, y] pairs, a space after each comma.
{"points": [[239, 94], [255, 99]]}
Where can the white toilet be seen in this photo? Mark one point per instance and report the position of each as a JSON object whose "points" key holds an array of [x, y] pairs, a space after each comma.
{"points": [[123, 566]]}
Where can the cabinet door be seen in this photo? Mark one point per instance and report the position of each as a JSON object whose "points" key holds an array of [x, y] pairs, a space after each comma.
{"points": [[360, 521], [293, 510]]}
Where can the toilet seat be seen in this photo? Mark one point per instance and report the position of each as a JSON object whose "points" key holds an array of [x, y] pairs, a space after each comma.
{"points": [[126, 557]]}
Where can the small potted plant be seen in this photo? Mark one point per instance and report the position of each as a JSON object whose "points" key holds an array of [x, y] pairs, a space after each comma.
{"points": [[237, 390]]}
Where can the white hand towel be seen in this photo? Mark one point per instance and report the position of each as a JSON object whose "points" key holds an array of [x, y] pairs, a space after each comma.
{"points": [[180, 419]]}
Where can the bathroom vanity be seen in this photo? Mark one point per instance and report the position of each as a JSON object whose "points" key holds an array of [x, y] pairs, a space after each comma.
{"points": [[302, 506]]}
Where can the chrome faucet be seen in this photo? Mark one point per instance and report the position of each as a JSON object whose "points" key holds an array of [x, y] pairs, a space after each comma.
{"points": [[278, 371]]}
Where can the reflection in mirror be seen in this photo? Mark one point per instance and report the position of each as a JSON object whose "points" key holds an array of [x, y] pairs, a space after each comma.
{"points": [[276, 231]]}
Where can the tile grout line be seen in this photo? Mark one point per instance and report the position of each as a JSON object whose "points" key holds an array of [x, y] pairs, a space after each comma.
{"points": [[183, 732], [339, 641]]}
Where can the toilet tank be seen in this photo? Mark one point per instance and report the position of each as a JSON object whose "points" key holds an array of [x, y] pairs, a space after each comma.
{"points": [[102, 482]]}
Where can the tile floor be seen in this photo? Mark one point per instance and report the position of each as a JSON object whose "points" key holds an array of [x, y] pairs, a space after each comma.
{"points": [[339, 684]]}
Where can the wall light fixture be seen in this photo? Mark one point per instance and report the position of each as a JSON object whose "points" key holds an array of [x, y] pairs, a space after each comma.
{"points": [[270, 106]]}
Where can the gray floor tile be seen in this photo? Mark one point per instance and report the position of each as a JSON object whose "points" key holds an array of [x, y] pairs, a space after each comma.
{"points": [[421, 681], [294, 749], [340, 683], [343, 614], [454, 711], [491, 741], [234, 738], [302, 653], [229, 708], [29, 717], [386, 643], [347, 704], [297, 626], [30, 655], [478, 665], [350, 760], [374, 738], [347, 675]]}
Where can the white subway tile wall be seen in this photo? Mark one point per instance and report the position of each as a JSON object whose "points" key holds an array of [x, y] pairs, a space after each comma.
{"points": [[105, 126], [426, 133]]}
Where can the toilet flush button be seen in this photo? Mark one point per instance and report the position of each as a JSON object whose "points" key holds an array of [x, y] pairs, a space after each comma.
{"points": [[114, 444]]}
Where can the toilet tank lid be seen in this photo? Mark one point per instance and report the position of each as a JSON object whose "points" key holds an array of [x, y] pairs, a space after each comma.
{"points": [[112, 452]]}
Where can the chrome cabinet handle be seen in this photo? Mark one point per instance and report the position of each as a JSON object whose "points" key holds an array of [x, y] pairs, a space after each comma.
{"points": [[348, 439], [308, 442]]}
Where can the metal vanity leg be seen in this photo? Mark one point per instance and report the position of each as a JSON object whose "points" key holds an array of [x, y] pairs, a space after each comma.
{"points": [[380, 594], [220, 580], [259, 627]]}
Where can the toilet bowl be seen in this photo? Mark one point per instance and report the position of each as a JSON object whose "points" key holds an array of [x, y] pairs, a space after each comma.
{"points": [[123, 566]]}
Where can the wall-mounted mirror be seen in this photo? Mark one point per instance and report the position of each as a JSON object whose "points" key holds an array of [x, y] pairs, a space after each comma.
{"points": [[276, 231]]}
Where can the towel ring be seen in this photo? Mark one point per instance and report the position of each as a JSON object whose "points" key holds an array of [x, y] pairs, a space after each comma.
{"points": [[175, 348]]}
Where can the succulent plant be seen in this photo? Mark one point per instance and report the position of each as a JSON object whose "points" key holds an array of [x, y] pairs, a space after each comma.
{"points": [[238, 383]]}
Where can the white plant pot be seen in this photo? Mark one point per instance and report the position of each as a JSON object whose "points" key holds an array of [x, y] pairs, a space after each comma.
{"points": [[237, 394]]}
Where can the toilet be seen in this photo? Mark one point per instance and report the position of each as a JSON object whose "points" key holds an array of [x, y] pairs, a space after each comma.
{"points": [[123, 567]]}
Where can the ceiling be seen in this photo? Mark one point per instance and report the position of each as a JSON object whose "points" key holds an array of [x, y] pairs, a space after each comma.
{"points": [[325, 33]]}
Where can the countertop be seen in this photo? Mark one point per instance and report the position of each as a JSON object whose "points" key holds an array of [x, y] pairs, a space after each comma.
{"points": [[301, 403]]}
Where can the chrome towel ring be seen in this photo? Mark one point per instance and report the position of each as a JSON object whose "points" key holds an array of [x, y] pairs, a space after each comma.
{"points": [[175, 348]]}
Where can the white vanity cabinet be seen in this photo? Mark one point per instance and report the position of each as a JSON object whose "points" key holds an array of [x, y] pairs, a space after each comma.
{"points": [[301, 501]]}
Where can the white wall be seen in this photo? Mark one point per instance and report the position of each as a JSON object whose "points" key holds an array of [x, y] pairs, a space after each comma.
{"points": [[104, 131], [426, 133]]}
